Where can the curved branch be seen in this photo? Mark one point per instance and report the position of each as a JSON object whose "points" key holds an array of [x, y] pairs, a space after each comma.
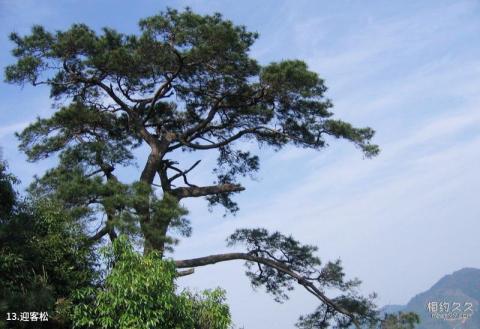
{"points": [[309, 286], [201, 125], [99, 83]]}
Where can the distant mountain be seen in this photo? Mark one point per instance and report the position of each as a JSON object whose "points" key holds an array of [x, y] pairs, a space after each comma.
{"points": [[451, 303]]}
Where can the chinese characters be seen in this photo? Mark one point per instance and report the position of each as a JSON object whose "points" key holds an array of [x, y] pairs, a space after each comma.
{"points": [[450, 310], [28, 316]]}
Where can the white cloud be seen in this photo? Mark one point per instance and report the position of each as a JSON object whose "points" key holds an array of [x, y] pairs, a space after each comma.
{"points": [[399, 221]]}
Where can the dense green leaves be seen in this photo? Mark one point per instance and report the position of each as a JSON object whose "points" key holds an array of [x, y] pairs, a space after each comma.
{"points": [[139, 292], [7, 193], [44, 256], [82, 134], [48, 264], [87, 195]]}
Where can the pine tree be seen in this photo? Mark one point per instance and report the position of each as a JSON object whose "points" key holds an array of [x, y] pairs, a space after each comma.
{"points": [[183, 83]]}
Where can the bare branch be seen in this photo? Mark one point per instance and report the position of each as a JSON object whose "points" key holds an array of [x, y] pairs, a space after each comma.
{"points": [[182, 173], [125, 93], [95, 81], [192, 191]]}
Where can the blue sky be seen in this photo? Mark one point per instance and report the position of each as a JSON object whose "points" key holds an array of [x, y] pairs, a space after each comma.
{"points": [[409, 69]]}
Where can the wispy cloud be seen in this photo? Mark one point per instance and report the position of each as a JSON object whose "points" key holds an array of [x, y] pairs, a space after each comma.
{"points": [[406, 216]]}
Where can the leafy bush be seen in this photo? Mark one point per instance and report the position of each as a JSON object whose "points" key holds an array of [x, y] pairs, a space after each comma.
{"points": [[44, 255], [139, 292]]}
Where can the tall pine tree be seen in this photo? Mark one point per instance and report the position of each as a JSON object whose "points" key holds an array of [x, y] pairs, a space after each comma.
{"points": [[183, 83]]}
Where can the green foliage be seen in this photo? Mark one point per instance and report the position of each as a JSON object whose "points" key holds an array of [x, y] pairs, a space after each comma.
{"points": [[87, 195], [293, 256], [47, 264], [400, 321], [139, 292], [184, 80], [208, 309], [84, 133], [168, 213], [297, 257], [44, 256], [290, 255], [7, 193]]}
